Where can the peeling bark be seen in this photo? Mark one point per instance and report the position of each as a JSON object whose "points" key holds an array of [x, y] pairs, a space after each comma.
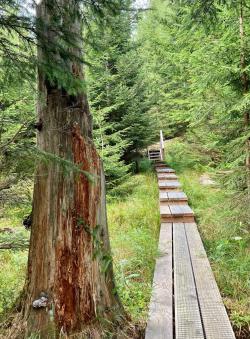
{"points": [[69, 256]]}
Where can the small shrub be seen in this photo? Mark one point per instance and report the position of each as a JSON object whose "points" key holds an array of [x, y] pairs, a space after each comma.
{"points": [[180, 155]]}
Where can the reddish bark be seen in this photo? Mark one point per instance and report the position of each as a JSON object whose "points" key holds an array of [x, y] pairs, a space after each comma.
{"points": [[69, 235]]}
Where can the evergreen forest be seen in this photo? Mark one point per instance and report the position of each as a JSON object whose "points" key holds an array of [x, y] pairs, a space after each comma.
{"points": [[86, 86]]}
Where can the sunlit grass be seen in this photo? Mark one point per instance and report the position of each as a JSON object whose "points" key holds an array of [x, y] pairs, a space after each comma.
{"points": [[134, 227]]}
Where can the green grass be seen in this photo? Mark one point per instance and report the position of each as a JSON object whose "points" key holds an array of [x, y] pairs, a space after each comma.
{"points": [[223, 221], [12, 263], [12, 275], [134, 227]]}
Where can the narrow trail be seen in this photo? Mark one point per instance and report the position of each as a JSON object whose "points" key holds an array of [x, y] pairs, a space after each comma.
{"points": [[186, 302]]}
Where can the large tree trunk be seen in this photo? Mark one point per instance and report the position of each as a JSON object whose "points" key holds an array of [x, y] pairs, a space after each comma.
{"points": [[69, 285]]}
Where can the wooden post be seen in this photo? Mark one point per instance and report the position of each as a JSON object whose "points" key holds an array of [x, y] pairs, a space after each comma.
{"points": [[161, 145]]}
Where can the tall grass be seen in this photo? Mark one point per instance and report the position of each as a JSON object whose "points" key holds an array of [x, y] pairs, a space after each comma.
{"points": [[134, 227]]}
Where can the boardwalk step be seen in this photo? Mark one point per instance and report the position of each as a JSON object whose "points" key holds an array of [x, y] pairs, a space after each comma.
{"points": [[172, 196], [160, 165], [154, 152], [167, 176], [164, 170], [171, 184], [176, 213], [175, 210]]}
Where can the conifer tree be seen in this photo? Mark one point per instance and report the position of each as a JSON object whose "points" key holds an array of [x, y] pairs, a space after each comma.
{"points": [[116, 92], [69, 288]]}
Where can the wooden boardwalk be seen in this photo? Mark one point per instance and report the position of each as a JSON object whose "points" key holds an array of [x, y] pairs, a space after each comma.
{"points": [[186, 302]]}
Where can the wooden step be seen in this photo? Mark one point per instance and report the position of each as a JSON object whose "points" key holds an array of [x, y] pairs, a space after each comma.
{"points": [[173, 196], [154, 157], [176, 213], [164, 170], [160, 165], [154, 152], [167, 176], [170, 184], [175, 210]]}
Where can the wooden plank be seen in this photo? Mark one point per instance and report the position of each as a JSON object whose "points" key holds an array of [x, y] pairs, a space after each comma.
{"points": [[163, 196], [172, 196], [165, 170], [160, 324], [181, 210], [159, 165], [214, 315], [167, 176], [177, 196], [169, 184], [188, 323], [165, 210], [171, 218]]}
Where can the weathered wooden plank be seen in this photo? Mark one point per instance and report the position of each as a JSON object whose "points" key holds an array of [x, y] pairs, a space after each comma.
{"points": [[169, 184], [163, 196], [160, 324], [181, 210], [160, 165], [172, 196], [165, 210], [188, 323], [214, 315], [177, 196], [167, 176], [165, 170], [171, 218]]}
